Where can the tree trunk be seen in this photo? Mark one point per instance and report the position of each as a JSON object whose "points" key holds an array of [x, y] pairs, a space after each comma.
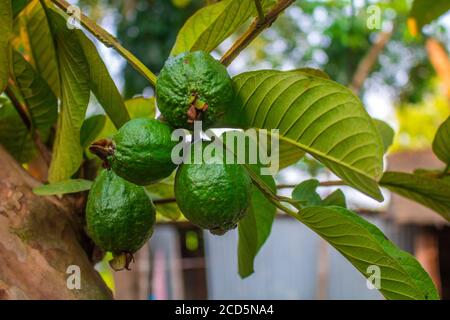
{"points": [[40, 237]]}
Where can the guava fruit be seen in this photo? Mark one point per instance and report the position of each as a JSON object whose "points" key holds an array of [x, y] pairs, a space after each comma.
{"points": [[119, 217], [192, 87], [214, 196], [139, 152]]}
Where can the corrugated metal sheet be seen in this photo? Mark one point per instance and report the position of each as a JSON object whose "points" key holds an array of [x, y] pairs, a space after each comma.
{"points": [[287, 265]]}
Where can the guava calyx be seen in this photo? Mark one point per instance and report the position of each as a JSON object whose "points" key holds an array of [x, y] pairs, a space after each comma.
{"points": [[103, 149], [121, 261]]}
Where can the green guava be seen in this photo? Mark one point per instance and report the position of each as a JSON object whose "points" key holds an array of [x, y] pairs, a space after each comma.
{"points": [[192, 87], [139, 152], [214, 196], [119, 216]]}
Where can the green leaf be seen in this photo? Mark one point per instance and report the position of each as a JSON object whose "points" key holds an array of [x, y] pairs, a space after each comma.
{"points": [[101, 83], [14, 135], [336, 198], [307, 194], [364, 245], [425, 11], [316, 115], [386, 133], [91, 128], [40, 100], [441, 143], [42, 49], [63, 187], [211, 25], [255, 227], [137, 108], [430, 192], [5, 32], [18, 6], [313, 72], [141, 107], [164, 190], [75, 81]]}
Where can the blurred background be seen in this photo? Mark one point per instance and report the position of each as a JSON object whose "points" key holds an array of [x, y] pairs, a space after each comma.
{"points": [[402, 77]]}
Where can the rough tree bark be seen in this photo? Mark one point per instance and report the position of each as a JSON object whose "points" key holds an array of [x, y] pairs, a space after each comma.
{"points": [[40, 237]]}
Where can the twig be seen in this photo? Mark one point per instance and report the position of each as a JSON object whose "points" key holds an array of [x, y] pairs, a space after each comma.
{"points": [[21, 109], [164, 200], [321, 184], [367, 63], [254, 30], [260, 11], [110, 41]]}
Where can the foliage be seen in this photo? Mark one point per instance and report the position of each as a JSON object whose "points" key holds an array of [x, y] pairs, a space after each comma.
{"points": [[51, 74]]}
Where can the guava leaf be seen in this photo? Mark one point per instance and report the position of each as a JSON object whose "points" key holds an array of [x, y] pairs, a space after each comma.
{"points": [[386, 132], [364, 245], [211, 25], [307, 194], [141, 107], [41, 46], [91, 128], [425, 11], [63, 187], [336, 198], [102, 84], [430, 192], [164, 190], [14, 135], [75, 85], [41, 102], [5, 32], [441, 143], [255, 227], [317, 116], [18, 5]]}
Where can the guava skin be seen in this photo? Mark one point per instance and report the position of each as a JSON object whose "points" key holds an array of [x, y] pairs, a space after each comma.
{"points": [[213, 196], [119, 215], [193, 86], [142, 151]]}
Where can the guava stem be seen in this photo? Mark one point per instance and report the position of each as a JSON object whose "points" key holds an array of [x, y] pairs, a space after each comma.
{"points": [[102, 148], [121, 261]]}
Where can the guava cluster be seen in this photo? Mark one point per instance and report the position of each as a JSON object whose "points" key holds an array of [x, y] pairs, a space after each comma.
{"points": [[120, 215]]}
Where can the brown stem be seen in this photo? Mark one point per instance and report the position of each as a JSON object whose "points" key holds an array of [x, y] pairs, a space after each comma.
{"points": [[21, 109], [254, 30], [368, 62], [110, 41], [321, 184], [164, 201]]}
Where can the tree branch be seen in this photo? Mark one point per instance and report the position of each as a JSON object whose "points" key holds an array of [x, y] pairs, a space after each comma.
{"points": [[321, 184], [260, 11], [40, 238], [110, 41], [368, 62], [254, 30]]}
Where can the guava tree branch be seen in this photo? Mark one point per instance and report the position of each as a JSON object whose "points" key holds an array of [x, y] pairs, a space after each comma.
{"points": [[258, 26], [368, 62], [280, 186], [40, 237], [321, 184], [110, 41]]}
